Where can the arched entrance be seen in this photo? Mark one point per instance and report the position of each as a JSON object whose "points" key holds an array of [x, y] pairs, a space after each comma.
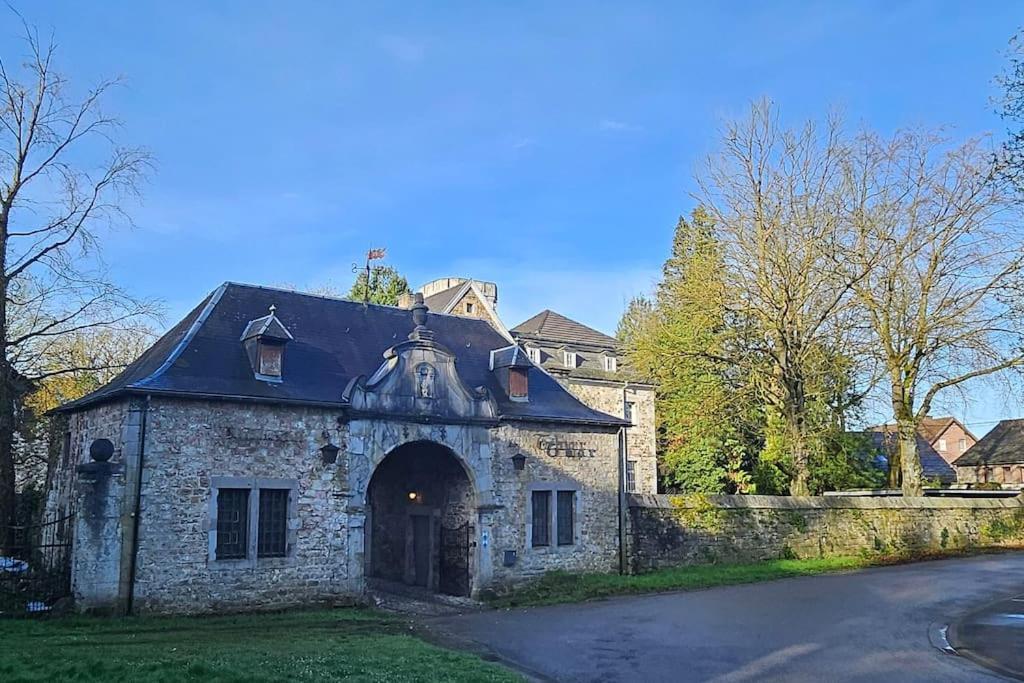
{"points": [[419, 519]]}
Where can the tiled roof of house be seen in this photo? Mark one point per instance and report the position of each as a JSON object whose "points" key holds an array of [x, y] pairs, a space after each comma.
{"points": [[932, 464], [334, 341], [555, 327], [930, 428], [1004, 445]]}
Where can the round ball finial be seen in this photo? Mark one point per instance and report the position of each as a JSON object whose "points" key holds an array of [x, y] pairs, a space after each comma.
{"points": [[101, 450]]}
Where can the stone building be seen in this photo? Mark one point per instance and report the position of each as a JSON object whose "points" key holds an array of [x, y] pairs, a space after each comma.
{"points": [[583, 360], [278, 448], [996, 457], [586, 362]]}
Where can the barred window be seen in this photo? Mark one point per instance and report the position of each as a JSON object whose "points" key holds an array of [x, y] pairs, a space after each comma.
{"points": [[541, 518], [273, 523], [631, 476], [564, 515], [232, 523]]}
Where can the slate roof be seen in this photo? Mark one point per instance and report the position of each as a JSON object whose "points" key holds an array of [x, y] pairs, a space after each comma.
{"points": [[439, 301], [933, 465], [555, 327], [334, 341], [1004, 445]]}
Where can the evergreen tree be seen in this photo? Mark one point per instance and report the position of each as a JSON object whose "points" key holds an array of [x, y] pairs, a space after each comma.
{"points": [[385, 286], [676, 343]]}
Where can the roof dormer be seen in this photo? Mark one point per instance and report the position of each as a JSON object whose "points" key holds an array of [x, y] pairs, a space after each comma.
{"points": [[512, 367], [264, 340]]}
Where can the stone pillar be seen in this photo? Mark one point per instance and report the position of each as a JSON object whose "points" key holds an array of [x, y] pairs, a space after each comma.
{"points": [[96, 555], [485, 549]]}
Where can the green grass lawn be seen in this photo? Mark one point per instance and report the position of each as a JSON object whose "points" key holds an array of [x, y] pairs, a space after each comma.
{"points": [[349, 644], [557, 587]]}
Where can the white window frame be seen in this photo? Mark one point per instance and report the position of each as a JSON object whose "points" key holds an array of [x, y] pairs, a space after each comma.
{"points": [[569, 359], [533, 353], [610, 364], [942, 445]]}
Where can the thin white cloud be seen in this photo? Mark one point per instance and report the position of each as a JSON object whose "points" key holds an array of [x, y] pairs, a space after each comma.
{"points": [[523, 143], [617, 126], [403, 48]]}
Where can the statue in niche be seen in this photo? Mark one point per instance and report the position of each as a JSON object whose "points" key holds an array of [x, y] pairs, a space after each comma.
{"points": [[425, 375]]}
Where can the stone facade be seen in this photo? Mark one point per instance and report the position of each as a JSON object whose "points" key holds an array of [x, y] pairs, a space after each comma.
{"points": [[1010, 475], [668, 531], [615, 398], [190, 445]]}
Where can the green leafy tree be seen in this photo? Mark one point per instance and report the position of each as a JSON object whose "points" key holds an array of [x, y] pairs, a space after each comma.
{"points": [[675, 342], [384, 286]]}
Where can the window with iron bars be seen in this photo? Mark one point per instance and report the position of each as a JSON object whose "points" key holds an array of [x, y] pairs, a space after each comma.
{"points": [[252, 520]]}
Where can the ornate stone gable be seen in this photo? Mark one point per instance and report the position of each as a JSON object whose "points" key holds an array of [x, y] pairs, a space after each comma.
{"points": [[419, 379]]}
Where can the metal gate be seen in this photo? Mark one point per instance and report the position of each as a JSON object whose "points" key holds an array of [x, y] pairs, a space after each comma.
{"points": [[454, 578], [35, 571]]}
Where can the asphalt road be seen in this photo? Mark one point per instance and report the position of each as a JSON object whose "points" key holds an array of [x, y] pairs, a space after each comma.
{"points": [[879, 624], [993, 635]]}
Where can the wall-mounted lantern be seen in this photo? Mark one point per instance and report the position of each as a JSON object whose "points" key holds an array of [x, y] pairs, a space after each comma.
{"points": [[329, 453], [519, 462]]}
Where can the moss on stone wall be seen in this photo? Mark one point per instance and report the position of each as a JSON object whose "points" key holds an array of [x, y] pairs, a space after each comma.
{"points": [[698, 529]]}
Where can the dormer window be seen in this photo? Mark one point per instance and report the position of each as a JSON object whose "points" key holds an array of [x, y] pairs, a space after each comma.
{"points": [[610, 364], [534, 353], [518, 384], [513, 371], [569, 358], [264, 340], [270, 355]]}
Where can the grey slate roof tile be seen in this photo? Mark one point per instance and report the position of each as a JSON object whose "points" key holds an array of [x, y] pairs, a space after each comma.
{"points": [[1004, 445], [334, 341]]}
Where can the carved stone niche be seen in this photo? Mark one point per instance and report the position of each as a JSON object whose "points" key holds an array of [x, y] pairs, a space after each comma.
{"points": [[418, 378]]}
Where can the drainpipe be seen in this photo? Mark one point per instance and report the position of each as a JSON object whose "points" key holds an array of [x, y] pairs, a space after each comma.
{"points": [[623, 508], [136, 508]]}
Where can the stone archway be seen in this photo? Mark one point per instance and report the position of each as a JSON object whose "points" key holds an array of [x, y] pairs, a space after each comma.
{"points": [[419, 525]]}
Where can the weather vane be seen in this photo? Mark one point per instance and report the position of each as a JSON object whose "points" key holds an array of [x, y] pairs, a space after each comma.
{"points": [[371, 255]]}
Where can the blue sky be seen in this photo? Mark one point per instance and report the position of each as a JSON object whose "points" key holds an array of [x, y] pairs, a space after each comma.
{"points": [[546, 146]]}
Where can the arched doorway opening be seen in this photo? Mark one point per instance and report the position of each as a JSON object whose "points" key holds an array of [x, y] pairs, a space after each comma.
{"points": [[419, 519]]}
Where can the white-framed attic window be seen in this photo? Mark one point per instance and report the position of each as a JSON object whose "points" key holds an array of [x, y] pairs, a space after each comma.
{"points": [[569, 358], [533, 353], [610, 364]]}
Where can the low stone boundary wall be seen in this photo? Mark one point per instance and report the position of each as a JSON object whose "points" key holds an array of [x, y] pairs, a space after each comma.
{"points": [[668, 531]]}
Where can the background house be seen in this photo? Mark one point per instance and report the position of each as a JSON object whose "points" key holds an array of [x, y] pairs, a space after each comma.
{"points": [[997, 457]]}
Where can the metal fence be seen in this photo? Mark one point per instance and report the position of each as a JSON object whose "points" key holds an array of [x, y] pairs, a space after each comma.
{"points": [[35, 570]]}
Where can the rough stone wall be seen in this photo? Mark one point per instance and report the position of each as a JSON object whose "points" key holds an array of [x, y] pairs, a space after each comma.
{"points": [[106, 421], [641, 440], [1012, 474], [668, 531], [188, 443], [594, 475]]}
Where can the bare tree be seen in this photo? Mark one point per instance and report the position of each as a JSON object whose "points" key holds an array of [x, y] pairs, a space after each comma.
{"points": [[63, 179], [774, 195], [933, 229]]}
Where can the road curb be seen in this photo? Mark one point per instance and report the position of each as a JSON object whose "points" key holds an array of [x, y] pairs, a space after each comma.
{"points": [[953, 638]]}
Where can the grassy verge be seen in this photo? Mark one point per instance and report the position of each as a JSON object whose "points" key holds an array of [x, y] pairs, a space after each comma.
{"points": [[559, 587], [348, 644]]}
